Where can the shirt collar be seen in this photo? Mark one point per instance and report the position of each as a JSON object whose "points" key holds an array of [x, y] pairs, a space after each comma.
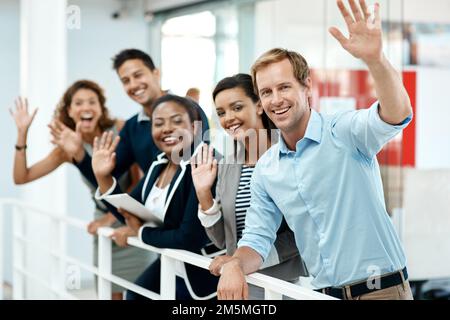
{"points": [[313, 132], [142, 116]]}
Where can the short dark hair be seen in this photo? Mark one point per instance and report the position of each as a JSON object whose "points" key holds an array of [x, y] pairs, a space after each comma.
{"points": [[243, 81], [189, 105], [131, 54]]}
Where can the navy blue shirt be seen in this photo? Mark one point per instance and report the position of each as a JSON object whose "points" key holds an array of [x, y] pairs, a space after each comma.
{"points": [[136, 146]]}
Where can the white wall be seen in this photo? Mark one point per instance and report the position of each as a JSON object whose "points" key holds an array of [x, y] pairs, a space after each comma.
{"points": [[302, 25], [432, 116], [436, 11], [9, 84], [100, 37], [426, 221]]}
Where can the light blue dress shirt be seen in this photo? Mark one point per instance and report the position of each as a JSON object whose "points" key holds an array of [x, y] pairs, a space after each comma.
{"points": [[330, 192]]}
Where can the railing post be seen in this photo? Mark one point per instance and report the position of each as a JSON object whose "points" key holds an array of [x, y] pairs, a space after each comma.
{"points": [[18, 285], [272, 295], [58, 264], [168, 278], [104, 266], [67, 281]]}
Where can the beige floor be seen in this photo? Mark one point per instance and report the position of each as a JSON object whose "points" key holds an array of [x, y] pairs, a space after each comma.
{"points": [[7, 292]]}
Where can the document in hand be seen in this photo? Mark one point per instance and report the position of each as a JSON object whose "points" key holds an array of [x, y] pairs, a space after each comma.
{"points": [[125, 201]]}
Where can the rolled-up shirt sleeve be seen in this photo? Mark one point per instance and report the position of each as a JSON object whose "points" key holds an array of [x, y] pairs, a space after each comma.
{"points": [[99, 196], [262, 220], [210, 217], [365, 131]]}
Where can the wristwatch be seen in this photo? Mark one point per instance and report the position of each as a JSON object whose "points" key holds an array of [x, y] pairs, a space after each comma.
{"points": [[18, 148]]}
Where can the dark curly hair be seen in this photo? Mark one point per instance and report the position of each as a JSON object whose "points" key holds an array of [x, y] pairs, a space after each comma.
{"points": [[62, 110]]}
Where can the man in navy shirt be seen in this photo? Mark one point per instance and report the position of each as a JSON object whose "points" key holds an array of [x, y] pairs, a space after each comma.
{"points": [[141, 81]]}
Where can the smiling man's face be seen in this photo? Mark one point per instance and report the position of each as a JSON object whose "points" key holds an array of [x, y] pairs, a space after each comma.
{"points": [[283, 98], [140, 83]]}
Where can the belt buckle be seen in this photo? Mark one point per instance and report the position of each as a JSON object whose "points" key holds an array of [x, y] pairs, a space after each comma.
{"points": [[335, 292], [327, 290], [344, 293]]}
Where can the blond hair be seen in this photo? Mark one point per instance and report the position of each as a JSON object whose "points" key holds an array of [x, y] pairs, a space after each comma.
{"points": [[298, 62]]}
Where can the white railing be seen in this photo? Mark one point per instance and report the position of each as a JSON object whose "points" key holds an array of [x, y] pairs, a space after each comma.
{"points": [[274, 288]]}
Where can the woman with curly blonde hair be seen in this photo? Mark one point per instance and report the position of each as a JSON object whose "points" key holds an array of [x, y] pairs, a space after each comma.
{"points": [[83, 114]]}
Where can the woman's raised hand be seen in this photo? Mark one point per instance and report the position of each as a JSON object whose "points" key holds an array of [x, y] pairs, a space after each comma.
{"points": [[68, 140], [21, 115], [204, 169], [104, 156]]}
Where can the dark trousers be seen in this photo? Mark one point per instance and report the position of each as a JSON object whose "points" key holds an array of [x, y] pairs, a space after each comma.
{"points": [[150, 279]]}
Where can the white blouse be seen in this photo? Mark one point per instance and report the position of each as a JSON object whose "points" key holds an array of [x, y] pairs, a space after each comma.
{"points": [[156, 200]]}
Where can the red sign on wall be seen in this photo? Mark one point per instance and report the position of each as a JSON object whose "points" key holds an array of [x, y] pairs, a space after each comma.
{"points": [[357, 84]]}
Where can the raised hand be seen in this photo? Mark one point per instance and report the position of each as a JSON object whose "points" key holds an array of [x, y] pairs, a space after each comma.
{"points": [[21, 115], [68, 140], [204, 169], [365, 34], [104, 157]]}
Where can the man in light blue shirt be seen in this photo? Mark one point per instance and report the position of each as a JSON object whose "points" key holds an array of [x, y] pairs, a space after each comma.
{"points": [[324, 178]]}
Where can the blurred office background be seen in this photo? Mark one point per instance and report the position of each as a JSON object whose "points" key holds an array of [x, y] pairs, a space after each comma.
{"points": [[48, 44]]}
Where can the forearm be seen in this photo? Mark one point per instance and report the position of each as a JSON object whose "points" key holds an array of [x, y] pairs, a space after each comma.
{"points": [[22, 136], [104, 183], [24, 174], [395, 105], [247, 259], [109, 218], [79, 155], [101, 194], [205, 199], [20, 160]]}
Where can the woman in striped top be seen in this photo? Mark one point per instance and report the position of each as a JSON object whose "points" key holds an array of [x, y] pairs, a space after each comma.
{"points": [[223, 215]]}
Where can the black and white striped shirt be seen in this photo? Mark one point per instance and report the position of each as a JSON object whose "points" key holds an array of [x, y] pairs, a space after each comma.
{"points": [[243, 199]]}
